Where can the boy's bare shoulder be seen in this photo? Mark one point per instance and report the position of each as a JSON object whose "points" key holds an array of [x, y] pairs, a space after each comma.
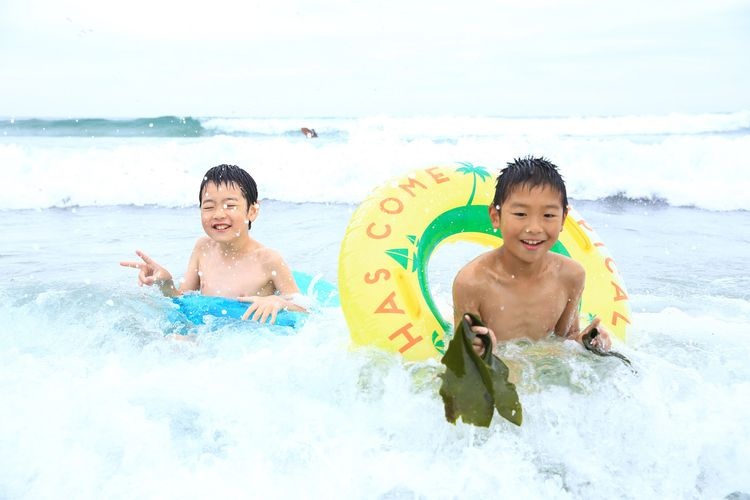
{"points": [[571, 271], [203, 243], [475, 271], [268, 256]]}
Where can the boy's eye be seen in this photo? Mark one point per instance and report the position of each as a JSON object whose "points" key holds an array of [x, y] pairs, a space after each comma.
{"points": [[549, 216], [519, 214], [229, 206], [207, 207]]}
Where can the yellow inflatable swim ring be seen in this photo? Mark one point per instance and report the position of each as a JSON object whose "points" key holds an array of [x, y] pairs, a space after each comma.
{"points": [[384, 256]]}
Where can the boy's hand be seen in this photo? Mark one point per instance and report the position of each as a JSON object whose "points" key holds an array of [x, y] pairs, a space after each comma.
{"points": [[603, 340], [149, 271], [263, 307], [477, 343]]}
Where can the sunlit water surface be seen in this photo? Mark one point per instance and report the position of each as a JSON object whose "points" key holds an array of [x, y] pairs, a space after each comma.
{"points": [[96, 402]]}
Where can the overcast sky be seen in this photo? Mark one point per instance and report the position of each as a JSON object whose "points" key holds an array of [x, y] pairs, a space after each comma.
{"points": [[86, 58]]}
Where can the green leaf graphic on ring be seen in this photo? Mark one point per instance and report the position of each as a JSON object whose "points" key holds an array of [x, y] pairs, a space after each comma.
{"points": [[437, 342], [404, 255], [473, 387], [401, 256], [475, 170]]}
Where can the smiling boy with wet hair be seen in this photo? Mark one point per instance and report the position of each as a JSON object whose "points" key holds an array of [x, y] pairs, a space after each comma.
{"points": [[224, 175], [522, 290], [529, 172], [228, 262]]}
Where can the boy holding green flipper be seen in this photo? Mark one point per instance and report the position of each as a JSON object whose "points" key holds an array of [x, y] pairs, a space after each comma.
{"points": [[522, 290]]}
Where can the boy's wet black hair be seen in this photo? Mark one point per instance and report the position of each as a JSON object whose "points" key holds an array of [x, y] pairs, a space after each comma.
{"points": [[231, 174], [529, 172]]}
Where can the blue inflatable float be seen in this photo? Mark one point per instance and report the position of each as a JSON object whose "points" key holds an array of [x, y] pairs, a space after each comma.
{"points": [[194, 308]]}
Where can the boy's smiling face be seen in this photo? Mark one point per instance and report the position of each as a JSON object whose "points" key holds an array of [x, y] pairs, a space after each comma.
{"points": [[530, 221], [224, 212]]}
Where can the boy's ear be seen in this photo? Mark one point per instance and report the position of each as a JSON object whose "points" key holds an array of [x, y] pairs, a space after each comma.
{"points": [[495, 216], [252, 211]]}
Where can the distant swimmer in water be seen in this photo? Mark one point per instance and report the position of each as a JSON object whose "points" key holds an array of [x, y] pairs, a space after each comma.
{"points": [[309, 132]]}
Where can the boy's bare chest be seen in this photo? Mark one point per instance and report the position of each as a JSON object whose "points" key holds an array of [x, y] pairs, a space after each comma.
{"points": [[233, 277], [524, 311]]}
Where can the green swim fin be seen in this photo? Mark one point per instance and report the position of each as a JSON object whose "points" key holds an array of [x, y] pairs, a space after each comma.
{"points": [[586, 341], [472, 386]]}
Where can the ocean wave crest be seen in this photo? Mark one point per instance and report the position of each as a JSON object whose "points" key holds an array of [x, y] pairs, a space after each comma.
{"points": [[163, 126], [699, 170]]}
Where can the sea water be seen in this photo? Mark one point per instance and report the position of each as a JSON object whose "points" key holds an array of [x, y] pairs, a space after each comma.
{"points": [[96, 402]]}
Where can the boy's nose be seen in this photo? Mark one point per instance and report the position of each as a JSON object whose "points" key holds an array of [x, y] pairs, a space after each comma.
{"points": [[534, 227]]}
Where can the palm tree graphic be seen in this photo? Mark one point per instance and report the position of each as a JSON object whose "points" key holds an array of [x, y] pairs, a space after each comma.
{"points": [[475, 170]]}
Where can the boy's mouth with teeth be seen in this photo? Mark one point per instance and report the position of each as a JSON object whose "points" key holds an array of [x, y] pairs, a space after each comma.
{"points": [[532, 243], [221, 227]]}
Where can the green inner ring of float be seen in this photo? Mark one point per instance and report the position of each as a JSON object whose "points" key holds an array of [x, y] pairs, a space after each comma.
{"points": [[468, 219]]}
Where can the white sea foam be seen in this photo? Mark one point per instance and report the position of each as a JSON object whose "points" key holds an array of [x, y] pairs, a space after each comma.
{"points": [[473, 126], [692, 160], [99, 403]]}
